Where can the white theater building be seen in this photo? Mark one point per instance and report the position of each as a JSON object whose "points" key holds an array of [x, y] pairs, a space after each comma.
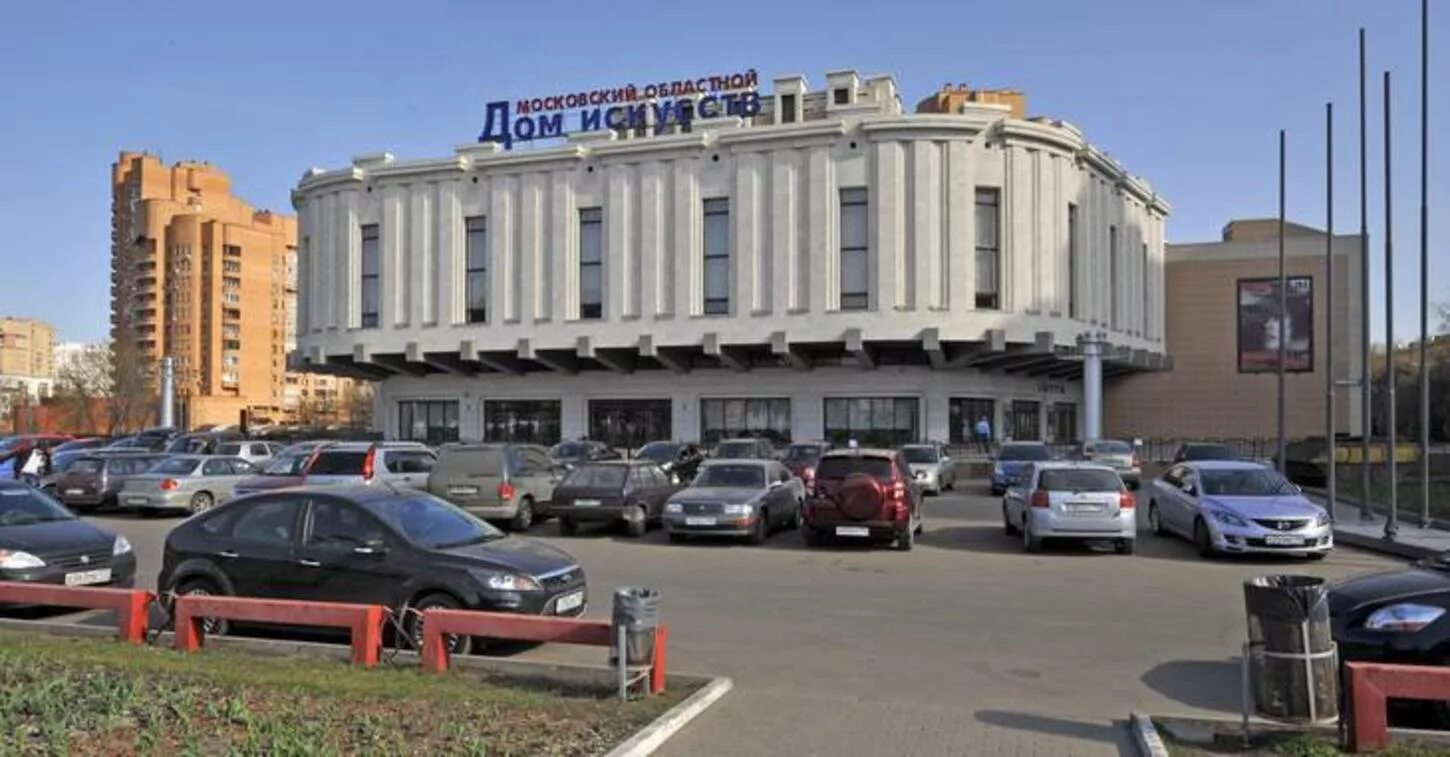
{"points": [[834, 266]]}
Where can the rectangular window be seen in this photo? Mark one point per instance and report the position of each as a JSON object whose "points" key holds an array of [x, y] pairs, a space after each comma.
{"points": [[842, 96], [717, 257], [630, 424], [1143, 294], [1113, 275], [965, 413], [522, 421], [728, 418], [1062, 423], [591, 263], [1071, 261], [428, 421], [475, 244], [787, 109], [1026, 425], [872, 421], [989, 249], [854, 249], [371, 267]]}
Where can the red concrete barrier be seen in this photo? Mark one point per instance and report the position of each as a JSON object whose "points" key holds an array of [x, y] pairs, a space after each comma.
{"points": [[501, 625], [128, 604], [1371, 684], [365, 621]]}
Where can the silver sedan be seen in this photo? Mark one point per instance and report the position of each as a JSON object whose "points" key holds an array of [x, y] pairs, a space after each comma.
{"points": [[1233, 507], [191, 483]]}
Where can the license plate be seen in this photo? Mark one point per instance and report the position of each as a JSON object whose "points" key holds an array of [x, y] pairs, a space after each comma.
{"points": [[699, 521], [852, 531], [586, 503], [570, 601], [75, 491], [1284, 541], [463, 490], [1073, 507], [87, 577], [137, 500]]}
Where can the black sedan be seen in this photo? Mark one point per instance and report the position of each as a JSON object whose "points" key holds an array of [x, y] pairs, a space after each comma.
{"points": [[42, 542], [1399, 616], [379, 545]]}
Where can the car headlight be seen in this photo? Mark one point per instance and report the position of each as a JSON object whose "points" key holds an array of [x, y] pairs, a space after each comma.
{"points": [[1403, 618], [121, 547], [512, 582], [14, 559], [1227, 518], [1322, 519], [674, 508], [738, 510]]}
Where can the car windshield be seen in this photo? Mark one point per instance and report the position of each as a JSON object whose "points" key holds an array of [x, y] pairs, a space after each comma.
{"points": [[803, 452], [920, 454], [596, 477], [19, 507], [569, 450], [1023, 452], [659, 452], [1247, 482], [186, 446], [176, 466], [735, 449], [1208, 452], [289, 465], [749, 476], [840, 467], [338, 463], [1074, 480], [85, 465], [1110, 448], [431, 523]]}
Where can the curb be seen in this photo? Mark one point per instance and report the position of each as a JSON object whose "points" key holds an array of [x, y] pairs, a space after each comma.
{"points": [[1383, 546], [653, 736], [1145, 735]]}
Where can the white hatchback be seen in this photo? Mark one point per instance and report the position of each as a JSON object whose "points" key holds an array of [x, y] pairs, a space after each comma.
{"points": [[1070, 500]]}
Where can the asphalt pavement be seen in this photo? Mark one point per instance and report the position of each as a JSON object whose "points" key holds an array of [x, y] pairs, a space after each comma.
{"points": [[965, 645]]}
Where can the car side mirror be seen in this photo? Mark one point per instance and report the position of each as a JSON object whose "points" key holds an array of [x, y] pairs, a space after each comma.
{"points": [[371, 548]]}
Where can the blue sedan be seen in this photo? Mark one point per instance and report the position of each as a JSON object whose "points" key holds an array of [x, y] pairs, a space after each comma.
{"points": [[1233, 507], [1009, 461]]}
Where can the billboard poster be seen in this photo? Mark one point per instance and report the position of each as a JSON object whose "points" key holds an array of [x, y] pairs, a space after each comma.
{"points": [[1258, 324]]}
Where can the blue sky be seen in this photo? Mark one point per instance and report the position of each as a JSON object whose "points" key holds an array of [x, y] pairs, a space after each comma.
{"points": [[1188, 94]]}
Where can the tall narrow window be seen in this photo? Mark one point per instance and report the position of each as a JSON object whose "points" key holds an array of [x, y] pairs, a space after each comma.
{"points": [[1143, 294], [854, 249], [371, 266], [591, 263], [1071, 261], [989, 249], [787, 109], [1113, 276], [717, 256], [476, 251]]}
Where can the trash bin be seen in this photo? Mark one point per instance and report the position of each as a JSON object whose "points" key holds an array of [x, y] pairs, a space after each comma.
{"points": [[1293, 663], [637, 610]]}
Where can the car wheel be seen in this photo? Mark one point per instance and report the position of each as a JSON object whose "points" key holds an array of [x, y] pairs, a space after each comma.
{"points": [[1030, 543], [200, 502], [567, 527], [1007, 526], [1155, 520], [1203, 540], [457, 644], [761, 529], [635, 523], [810, 536], [201, 587], [1125, 546], [906, 539], [523, 517]]}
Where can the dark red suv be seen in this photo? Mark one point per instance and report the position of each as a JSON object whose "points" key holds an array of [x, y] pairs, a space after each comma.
{"points": [[863, 494]]}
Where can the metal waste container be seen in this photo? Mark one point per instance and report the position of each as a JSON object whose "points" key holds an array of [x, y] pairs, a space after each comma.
{"points": [[1292, 661], [637, 610]]}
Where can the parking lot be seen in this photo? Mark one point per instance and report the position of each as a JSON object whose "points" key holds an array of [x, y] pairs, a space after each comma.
{"points": [[963, 646]]}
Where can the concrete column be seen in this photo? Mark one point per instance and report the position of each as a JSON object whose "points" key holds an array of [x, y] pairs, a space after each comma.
{"points": [[167, 413], [1092, 345]]}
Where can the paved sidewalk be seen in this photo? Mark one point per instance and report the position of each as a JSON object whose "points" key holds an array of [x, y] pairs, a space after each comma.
{"points": [[1353, 529]]}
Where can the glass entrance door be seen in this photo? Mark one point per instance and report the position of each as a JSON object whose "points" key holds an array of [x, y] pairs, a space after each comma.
{"points": [[628, 424]]}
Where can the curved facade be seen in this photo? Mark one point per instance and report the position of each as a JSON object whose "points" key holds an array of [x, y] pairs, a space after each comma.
{"points": [[830, 250]]}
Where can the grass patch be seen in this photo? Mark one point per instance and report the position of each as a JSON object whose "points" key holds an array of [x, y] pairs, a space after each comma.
{"points": [[93, 696], [1286, 744]]}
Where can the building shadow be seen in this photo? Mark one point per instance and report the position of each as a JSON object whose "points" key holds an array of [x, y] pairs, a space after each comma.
{"points": [[1200, 684], [1115, 733]]}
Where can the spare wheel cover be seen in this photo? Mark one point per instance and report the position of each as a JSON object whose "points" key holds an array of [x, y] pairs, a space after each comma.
{"points": [[861, 496]]}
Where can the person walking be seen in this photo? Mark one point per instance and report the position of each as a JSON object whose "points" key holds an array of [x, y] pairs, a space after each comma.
{"points": [[34, 466], [984, 435]]}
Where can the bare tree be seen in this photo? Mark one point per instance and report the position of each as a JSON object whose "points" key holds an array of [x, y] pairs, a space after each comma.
{"points": [[132, 378], [358, 403], [83, 380]]}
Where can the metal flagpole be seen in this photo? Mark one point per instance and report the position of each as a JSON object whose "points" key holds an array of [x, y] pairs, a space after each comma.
{"points": [[1283, 306], [1392, 526], [1424, 263], [1366, 404], [1329, 305]]}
